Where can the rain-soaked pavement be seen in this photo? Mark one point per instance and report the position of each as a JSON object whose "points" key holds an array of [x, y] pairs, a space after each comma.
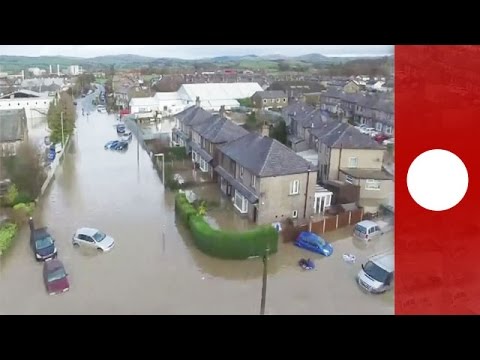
{"points": [[154, 267]]}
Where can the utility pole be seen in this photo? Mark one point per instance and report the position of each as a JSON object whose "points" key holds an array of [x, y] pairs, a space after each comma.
{"points": [[264, 281]]}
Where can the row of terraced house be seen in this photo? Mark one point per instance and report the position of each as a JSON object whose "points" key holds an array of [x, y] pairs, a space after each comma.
{"points": [[344, 156], [372, 110], [266, 181]]}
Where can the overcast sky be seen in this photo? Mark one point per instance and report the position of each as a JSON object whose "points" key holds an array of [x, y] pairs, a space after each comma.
{"points": [[194, 51]]}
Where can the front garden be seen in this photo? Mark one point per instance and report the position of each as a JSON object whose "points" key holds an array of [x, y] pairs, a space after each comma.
{"points": [[221, 243]]}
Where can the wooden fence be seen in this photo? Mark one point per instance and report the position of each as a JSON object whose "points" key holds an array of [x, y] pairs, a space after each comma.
{"points": [[290, 233]]}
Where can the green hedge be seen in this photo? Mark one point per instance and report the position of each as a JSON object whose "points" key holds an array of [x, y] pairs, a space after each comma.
{"points": [[226, 244], [7, 234]]}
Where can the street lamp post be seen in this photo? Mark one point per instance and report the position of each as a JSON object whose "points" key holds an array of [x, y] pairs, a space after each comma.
{"points": [[264, 282], [163, 166], [63, 135]]}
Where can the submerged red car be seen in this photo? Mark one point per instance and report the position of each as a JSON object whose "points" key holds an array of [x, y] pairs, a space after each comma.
{"points": [[55, 277]]}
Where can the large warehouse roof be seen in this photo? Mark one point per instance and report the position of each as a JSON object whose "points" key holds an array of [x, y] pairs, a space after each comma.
{"points": [[220, 91]]}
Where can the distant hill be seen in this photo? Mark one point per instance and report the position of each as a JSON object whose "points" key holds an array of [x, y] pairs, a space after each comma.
{"points": [[129, 61]]}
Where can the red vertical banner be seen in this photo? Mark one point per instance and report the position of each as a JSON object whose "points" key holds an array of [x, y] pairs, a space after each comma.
{"points": [[437, 106]]}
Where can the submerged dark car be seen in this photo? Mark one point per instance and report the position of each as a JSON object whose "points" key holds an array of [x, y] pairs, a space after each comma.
{"points": [[42, 243], [121, 145], [55, 277]]}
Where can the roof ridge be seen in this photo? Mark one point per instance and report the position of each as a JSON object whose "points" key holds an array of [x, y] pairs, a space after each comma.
{"points": [[266, 157]]}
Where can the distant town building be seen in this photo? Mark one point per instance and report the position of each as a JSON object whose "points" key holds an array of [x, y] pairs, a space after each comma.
{"points": [[75, 70]]}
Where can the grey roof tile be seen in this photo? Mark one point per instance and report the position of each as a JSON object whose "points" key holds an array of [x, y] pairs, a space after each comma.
{"points": [[272, 94], [264, 156], [12, 125]]}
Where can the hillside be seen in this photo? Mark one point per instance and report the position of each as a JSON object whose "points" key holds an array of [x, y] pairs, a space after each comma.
{"points": [[129, 61]]}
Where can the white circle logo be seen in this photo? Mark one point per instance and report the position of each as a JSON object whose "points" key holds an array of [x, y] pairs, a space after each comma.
{"points": [[437, 180]]}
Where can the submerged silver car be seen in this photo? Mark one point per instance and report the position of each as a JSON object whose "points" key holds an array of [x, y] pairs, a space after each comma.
{"points": [[93, 238]]}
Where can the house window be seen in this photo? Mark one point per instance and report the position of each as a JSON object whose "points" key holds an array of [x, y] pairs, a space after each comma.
{"points": [[378, 126], [194, 156], [203, 165], [264, 101], [371, 184], [241, 203], [294, 214], [352, 162], [284, 100], [349, 179], [295, 187], [241, 170], [253, 178], [278, 101], [388, 130]]}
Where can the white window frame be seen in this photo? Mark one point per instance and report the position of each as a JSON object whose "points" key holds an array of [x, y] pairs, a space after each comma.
{"points": [[278, 101], [264, 101], [352, 162], [253, 180], [284, 100], [294, 214], [295, 187], [241, 171], [244, 208], [203, 165], [372, 185], [378, 126], [194, 156], [349, 179], [388, 130]]}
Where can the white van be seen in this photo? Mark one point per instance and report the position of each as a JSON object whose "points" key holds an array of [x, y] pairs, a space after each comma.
{"points": [[367, 230], [377, 274]]}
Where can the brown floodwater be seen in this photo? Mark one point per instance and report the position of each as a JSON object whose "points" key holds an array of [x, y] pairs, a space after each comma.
{"points": [[154, 267]]}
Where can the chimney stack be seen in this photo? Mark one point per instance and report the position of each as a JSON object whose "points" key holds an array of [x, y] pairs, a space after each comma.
{"points": [[23, 74], [197, 101], [58, 69], [50, 70], [265, 130], [222, 110]]}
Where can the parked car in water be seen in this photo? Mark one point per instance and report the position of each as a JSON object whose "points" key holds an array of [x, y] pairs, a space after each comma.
{"points": [[377, 274], [111, 144], [93, 238], [42, 243], [390, 141], [311, 241], [102, 109], [55, 277], [121, 145], [121, 128], [127, 136], [367, 230], [381, 137]]}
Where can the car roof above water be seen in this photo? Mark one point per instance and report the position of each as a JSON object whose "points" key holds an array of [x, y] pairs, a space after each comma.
{"points": [[87, 231], [40, 233], [53, 264], [367, 223], [386, 261]]}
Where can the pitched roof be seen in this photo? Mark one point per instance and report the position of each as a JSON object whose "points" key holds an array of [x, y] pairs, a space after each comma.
{"points": [[264, 156], [220, 130], [272, 94], [12, 125], [193, 115], [349, 137]]}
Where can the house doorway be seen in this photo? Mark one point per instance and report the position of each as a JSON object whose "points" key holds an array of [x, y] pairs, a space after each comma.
{"points": [[255, 213]]}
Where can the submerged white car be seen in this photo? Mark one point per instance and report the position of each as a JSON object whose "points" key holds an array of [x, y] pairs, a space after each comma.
{"points": [[93, 238]]}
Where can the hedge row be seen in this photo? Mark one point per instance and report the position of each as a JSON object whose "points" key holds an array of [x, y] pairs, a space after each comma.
{"points": [[225, 244], [7, 234]]}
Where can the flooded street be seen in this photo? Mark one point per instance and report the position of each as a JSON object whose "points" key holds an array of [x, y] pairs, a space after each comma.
{"points": [[154, 267]]}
